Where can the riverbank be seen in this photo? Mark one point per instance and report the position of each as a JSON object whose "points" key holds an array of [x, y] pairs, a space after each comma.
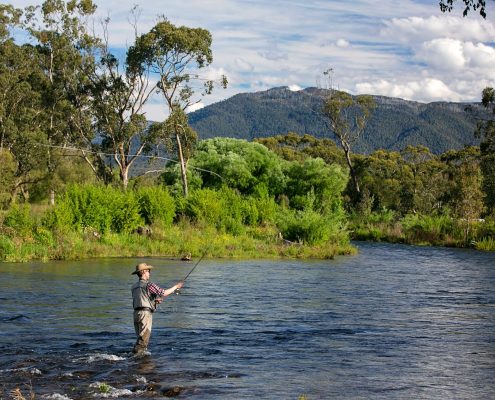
{"points": [[175, 241], [424, 230]]}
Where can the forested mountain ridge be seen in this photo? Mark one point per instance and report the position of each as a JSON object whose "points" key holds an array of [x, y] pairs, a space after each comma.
{"points": [[395, 122]]}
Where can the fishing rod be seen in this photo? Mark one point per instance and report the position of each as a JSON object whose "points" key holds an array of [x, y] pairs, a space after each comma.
{"points": [[190, 272]]}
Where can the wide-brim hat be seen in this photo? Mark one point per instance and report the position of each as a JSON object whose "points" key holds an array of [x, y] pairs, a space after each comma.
{"points": [[142, 267]]}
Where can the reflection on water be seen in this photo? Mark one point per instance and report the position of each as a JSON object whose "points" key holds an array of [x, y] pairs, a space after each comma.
{"points": [[394, 322]]}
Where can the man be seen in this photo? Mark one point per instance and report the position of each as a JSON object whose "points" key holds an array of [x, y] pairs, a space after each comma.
{"points": [[145, 297]]}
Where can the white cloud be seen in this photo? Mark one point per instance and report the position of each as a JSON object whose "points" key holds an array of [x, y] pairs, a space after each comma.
{"points": [[423, 90], [195, 107], [418, 29], [342, 43], [412, 51], [445, 53], [295, 88], [155, 112]]}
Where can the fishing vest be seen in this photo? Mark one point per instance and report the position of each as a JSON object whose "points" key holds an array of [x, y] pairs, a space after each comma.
{"points": [[141, 297]]}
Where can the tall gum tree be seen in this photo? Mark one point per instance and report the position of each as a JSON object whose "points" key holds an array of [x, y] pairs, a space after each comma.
{"points": [[64, 47], [119, 95], [347, 117], [174, 54]]}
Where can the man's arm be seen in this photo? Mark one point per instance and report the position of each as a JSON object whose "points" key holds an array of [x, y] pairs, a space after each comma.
{"points": [[158, 291]]}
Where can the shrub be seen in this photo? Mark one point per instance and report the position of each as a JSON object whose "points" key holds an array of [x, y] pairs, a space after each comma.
{"points": [[156, 204], [7, 248], [125, 213], [310, 227], [429, 228], [19, 219]]}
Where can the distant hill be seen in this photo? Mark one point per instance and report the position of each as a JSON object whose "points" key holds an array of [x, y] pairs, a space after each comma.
{"points": [[395, 123]]}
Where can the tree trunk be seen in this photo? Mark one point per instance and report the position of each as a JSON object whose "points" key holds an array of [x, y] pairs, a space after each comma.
{"points": [[182, 165], [355, 182], [52, 197]]}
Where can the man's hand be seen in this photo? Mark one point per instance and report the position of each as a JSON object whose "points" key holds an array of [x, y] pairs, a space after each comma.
{"points": [[180, 284]]}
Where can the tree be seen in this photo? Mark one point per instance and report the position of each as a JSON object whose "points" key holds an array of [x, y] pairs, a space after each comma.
{"points": [[425, 183], [182, 144], [172, 53], [21, 109], [118, 95], [347, 117], [486, 131], [239, 164], [447, 5], [65, 59], [465, 197]]}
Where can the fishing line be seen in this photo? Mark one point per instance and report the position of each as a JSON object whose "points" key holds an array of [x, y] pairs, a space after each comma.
{"points": [[190, 272], [128, 155]]}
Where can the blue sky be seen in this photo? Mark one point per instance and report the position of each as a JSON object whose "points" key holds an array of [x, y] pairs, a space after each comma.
{"points": [[407, 49]]}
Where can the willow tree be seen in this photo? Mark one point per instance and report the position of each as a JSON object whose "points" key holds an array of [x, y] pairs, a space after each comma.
{"points": [[347, 117], [175, 55]]}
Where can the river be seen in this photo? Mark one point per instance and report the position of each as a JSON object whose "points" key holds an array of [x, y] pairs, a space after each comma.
{"points": [[393, 322]]}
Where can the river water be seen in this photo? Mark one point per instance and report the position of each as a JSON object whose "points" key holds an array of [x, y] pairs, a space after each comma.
{"points": [[394, 322]]}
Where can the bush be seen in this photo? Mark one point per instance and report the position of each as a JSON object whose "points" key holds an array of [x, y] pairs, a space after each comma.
{"points": [[224, 209], [310, 227], [19, 219], [7, 248], [125, 213], [156, 204], [430, 228], [101, 208]]}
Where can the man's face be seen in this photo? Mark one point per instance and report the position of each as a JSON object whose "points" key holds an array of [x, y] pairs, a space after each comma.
{"points": [[146, 274]]}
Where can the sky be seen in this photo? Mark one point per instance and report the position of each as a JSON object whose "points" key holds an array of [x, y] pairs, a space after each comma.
{"points": [[407, 49]]}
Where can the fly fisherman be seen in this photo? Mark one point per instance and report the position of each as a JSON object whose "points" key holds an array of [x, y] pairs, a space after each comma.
{"points": [[145, 297]]}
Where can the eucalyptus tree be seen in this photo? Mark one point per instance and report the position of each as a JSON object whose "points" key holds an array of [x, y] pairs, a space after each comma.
{"points": [[173, 54], [23, 161], [347, 117], [448, 5], [118, 94], [425, 183], [65, 58], [486, 131], [465, 196]]}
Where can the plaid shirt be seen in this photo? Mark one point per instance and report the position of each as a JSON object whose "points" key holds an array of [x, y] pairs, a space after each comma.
{"points": [[155, 289]]}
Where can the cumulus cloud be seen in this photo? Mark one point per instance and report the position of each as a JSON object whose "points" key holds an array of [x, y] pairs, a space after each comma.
{"points": [[195, 107], [342, 43], [295, 88], [443, 53], [425, 90], [418, 29]]}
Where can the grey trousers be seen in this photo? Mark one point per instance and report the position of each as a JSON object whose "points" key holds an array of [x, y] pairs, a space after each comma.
{"points": [[143, 320]]}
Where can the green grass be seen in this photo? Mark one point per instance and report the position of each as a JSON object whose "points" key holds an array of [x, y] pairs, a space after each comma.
{"points": [[174, 241]]}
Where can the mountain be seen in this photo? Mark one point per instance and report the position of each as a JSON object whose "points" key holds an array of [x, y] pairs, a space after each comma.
{"points": [[395, 123]]}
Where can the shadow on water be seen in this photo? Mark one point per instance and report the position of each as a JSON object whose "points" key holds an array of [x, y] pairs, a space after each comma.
{"points": [[393, 322]]}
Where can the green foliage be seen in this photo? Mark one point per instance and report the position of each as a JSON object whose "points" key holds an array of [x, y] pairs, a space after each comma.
{"points": [[224, 209], [125, 213], [7, 248], [100, 208], [310, 227], [156, 204], [239, 164], [19, 219], [429, 228], [326, 182], [7, 178]]}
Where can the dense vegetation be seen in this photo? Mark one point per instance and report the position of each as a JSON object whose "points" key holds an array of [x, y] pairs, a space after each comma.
{"points": [[394, 124], [72, 129]]}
